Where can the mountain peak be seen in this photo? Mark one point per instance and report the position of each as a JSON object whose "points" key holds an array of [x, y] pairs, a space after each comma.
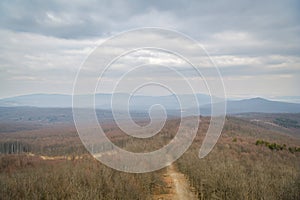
{"points": [[259, 99]]}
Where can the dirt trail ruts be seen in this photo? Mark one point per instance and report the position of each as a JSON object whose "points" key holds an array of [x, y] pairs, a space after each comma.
{"points": [[178, 185]]}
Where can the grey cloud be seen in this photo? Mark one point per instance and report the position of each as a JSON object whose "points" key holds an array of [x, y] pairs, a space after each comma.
{"points": [[52, 38], [95, 18], [275, 24]]}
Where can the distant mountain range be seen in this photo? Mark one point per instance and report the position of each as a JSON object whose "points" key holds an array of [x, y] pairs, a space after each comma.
{"points": [[102, 101], [143, 103], [258, 105]]}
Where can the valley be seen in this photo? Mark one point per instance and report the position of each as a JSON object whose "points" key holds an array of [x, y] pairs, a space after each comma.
{"points": [[237, 168]]}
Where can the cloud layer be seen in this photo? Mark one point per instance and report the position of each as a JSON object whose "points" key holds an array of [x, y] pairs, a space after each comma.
{"points": [[254, 43]]}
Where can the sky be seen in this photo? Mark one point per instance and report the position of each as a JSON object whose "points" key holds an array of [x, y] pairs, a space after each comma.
{"points": [[255, 44]]}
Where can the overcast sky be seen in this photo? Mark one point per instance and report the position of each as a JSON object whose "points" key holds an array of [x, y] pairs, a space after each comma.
{"points": [[255, 44]]}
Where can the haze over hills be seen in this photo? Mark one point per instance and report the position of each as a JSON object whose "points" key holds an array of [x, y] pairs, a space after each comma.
{"points": [[257, 105], [141, 103], [102, 101]]}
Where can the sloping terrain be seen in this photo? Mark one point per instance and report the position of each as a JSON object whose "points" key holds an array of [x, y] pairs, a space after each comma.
{"points": [[250, 161]]}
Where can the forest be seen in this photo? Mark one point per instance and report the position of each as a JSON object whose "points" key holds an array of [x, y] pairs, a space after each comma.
{"points": [[250, 161]]}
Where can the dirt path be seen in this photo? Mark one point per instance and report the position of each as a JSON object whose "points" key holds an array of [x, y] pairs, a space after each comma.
{"points": [[177, 186]]}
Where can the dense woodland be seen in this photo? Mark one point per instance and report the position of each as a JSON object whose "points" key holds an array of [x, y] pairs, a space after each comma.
{"points": [[241, 166], [29, 177], [238, 168]]}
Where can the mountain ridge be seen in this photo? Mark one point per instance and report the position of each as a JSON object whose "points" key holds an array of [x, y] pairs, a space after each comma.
{"points": [[143, 103]]}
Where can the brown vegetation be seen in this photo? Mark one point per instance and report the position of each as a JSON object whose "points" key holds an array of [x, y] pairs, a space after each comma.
{"points": [[29, 177], [237, 168]]}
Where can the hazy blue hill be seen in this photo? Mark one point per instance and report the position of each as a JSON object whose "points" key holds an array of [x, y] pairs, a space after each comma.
{"points": [[258, 105], [103, 101], [38, 100], [262, 105], [143, 103]]}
